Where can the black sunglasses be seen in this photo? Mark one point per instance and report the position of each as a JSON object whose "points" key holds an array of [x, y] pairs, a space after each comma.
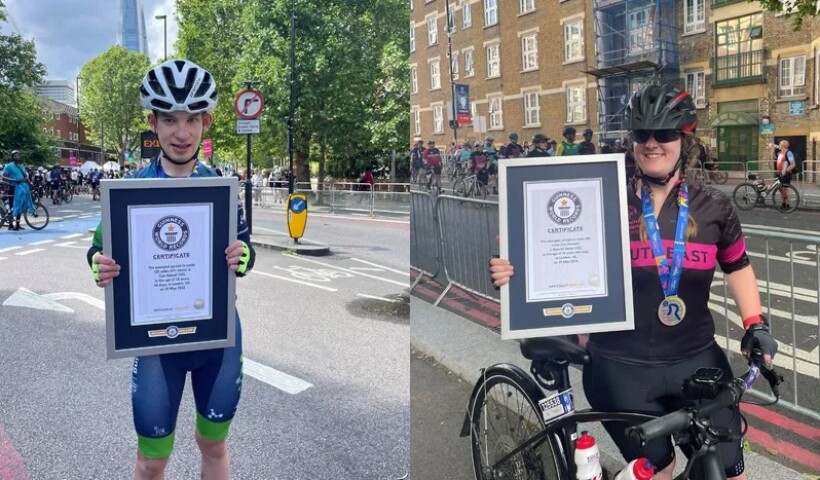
{"points": [[661, 136]]}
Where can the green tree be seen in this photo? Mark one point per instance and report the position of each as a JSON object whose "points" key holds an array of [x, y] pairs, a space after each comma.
{"points": [[798, 10], [110, 98], [21, 125]]}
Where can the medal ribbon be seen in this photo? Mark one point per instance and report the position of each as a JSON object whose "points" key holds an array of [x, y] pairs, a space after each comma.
{"points": [[670, 276]]}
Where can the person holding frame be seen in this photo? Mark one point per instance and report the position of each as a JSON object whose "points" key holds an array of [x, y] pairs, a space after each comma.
{"points": [[180, 96], [678, 234]]}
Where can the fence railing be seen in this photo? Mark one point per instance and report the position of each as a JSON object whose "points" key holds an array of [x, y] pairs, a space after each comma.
{"points": [[380, 198], [456, 237]]}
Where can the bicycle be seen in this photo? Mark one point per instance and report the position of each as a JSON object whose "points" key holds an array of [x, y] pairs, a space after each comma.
{"points": [[429, 183], [36, 219], [748, 195], [470, 187], [707, 175], [518, 433]]}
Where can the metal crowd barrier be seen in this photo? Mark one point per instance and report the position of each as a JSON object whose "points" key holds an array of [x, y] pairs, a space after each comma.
{"points": [[464, 232], [383, 198], [425, 236]]}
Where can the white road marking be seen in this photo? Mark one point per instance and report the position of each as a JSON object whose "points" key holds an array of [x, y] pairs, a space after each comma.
{"points": [[8, 249], [3, 258], [293, 280], [781, 229], [780, 289], [71, 211], [27, 252], [65, 244], [275, 378], [374, 297], [70, 216], [382, 267], [69, 245], [85, 216], [41, 242], [387, 280], [73, 235], [86, 239], [781, 258]]}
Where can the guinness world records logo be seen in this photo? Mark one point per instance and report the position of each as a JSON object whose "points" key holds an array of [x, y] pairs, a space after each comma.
{"points": [[564, 207], [171, 232]]}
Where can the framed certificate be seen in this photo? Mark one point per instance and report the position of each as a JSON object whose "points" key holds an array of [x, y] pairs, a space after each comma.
{"points": [[563, 225], [175, 292]]}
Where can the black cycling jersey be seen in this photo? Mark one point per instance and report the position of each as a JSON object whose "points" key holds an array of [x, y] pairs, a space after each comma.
{"points": [[719, 240]]}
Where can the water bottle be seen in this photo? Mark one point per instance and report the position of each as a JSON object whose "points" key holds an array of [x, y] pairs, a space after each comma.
{"points": [[588, 466], [640, 469]]}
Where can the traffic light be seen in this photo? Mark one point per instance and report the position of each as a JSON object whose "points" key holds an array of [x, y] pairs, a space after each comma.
{"points": [[454, 124]]}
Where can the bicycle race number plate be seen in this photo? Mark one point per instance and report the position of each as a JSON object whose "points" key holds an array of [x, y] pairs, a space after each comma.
{"points": [[175, 292], [556, 406], [564, 226]]}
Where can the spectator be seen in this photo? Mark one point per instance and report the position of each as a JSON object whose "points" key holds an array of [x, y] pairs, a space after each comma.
{"points": [[568, 145], [540, 144], [587, 147]]}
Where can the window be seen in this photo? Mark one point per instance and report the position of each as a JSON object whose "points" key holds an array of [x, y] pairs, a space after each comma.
{"points": [[576, 103], [490, 12], [817, 73], [696, 86], [467, 16], [454, 65], [58, 133], [469, 70], [411, 5], [694, 14], [532, 109], [474, 109], [412, 39], [792, 76], [432, 30], [641, 30], [496, 106], [417, 121], [529, 52], [739, 51], [493, 60], [414, 79], [526, 6], [438, 119], [435, 75], [574, 41]]}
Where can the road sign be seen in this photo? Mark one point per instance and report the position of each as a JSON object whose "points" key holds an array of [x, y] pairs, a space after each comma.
{"points": [[247, 127], [248, 104], [766, 129], [297, 215]]}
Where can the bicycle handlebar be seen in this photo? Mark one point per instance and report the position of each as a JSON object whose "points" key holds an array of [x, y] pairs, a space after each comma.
{"points": [[730, 393]]}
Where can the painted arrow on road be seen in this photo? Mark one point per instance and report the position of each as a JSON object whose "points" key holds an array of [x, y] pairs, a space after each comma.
{"points": [[25, 298]]}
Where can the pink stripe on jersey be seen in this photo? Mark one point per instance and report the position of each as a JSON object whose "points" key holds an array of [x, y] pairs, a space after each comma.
{"points": [[697, 256], [731, 254]]}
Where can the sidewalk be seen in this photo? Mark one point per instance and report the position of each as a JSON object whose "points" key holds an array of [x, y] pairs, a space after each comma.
{"points": [[465, 347], [273, 239]]}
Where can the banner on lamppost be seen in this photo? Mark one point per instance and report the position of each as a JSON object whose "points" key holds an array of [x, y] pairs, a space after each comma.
{"points": [[208, 148], [463, 112]]}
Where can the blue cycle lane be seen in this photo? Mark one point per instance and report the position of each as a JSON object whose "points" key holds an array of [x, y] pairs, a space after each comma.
{"points": [[52, 231]]}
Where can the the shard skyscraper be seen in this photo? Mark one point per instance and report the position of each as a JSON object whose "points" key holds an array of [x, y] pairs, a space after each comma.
{"points": [[132, 33]]}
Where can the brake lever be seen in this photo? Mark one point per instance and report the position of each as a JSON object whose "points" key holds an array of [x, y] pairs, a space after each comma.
{"points": [[767, 370]]}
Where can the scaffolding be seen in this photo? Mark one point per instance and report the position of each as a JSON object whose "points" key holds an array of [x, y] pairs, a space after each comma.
{"points": [[635, 41]]}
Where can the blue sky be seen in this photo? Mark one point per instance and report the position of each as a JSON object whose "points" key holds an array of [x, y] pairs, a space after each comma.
{"points": [[68, 33]]}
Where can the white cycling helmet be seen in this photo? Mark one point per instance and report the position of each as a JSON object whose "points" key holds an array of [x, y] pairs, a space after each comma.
{"points": [[178, 86]]}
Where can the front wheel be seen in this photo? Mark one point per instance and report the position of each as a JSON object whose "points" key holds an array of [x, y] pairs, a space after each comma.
{"points": [[745, 196], [460, 188], [39, 219], [68, 196], [782, 204], [504, 416], [720, 177]]}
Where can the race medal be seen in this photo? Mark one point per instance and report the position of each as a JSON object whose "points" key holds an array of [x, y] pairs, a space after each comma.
{"points": [[671, 311]]}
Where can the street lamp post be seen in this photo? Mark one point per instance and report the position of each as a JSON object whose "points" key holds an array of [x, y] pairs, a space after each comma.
{"points": [[77, 95], [164, 19]]}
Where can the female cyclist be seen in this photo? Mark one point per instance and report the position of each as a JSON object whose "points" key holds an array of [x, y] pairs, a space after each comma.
{"points": [[691, 229]]}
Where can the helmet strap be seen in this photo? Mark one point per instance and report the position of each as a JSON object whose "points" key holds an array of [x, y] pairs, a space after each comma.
{"points": [[167, 157], [660, 180]]}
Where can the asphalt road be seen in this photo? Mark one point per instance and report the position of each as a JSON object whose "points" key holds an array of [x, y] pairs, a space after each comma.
{"points": [[338, 326]]}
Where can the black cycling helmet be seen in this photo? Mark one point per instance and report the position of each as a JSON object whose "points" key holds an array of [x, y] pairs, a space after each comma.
{"points": [[539, 137], [588, 132], [513, 136], [568, 130], [660, 107]]}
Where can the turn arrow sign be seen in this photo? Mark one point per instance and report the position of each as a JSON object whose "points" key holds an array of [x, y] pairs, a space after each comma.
{"points": [[25, 298]]}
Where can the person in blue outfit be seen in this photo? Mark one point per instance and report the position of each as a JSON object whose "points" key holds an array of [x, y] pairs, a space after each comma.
{"points": [[15, 175], [181, 95]]}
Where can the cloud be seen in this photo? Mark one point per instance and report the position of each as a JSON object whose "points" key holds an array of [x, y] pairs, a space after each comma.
{"points": [[69, 33]]}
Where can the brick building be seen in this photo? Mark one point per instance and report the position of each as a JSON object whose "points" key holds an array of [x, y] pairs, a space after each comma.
{"points": [[536, 66], [64, 124]]}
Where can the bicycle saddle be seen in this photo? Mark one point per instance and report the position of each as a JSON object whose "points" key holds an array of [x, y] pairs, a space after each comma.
{"points": [[564, 347]]}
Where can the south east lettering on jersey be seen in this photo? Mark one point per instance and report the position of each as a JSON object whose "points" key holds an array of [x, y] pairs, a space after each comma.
{"points": [[697, 256]]}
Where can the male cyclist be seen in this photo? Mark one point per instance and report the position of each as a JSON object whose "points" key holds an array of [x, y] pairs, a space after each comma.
{"points": [[785, 164], [568, 145], [432, 160], [55, 177], [513, 149], [181, 95]]}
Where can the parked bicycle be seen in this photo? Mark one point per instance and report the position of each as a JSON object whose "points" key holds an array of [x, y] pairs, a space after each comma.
{"points": [[708, 174], [519, 433], [750, 194], [470, 187]]}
